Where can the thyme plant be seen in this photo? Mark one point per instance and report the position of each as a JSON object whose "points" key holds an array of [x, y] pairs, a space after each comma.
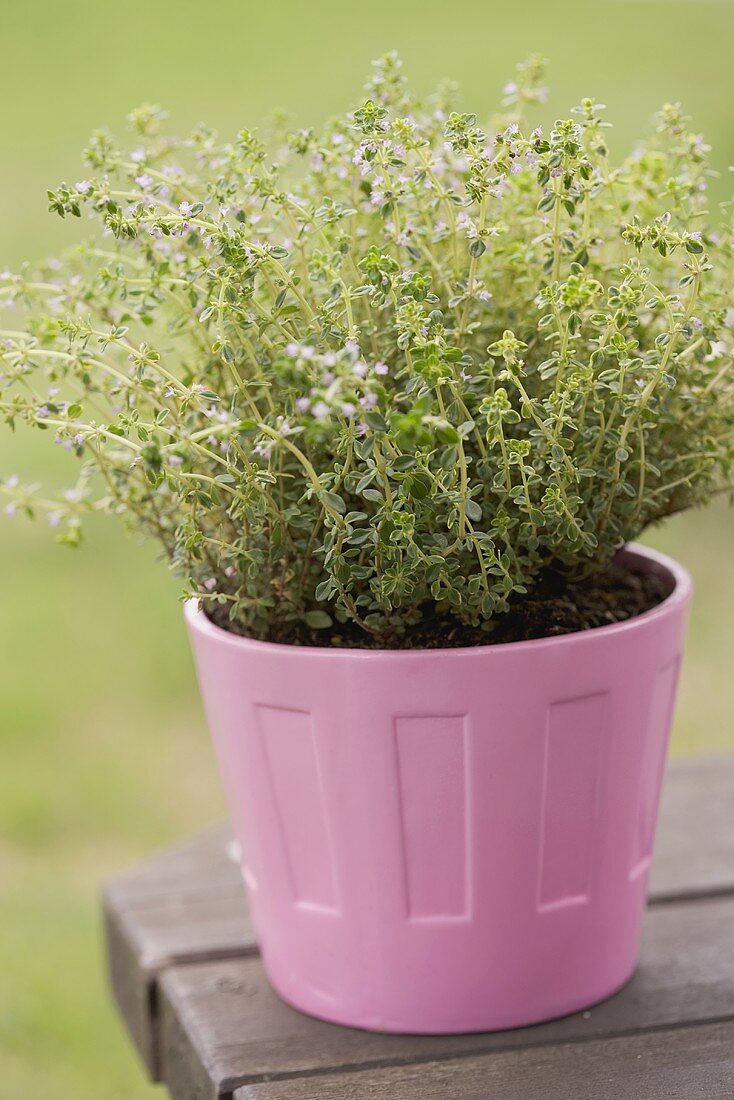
{"points": [[401, 367]]}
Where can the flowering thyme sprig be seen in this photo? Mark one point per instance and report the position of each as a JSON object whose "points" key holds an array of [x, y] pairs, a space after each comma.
{"points": [[406, 363]]}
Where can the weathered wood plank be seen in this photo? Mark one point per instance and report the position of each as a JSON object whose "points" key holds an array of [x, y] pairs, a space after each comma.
{"points": [[196, 865], [133, 993], [185, 903], [677, 1064], [188, 904], [673, 1064], [222, 1026]]}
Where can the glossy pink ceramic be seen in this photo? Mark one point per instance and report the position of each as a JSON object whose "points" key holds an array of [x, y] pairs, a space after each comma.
{"points": [[452, 840]]}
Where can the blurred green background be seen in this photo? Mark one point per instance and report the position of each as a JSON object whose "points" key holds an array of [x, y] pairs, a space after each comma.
{"points": [[103, 750]]}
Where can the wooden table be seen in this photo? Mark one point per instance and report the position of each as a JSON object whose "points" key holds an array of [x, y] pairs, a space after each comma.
{"points": [[189, 983]]}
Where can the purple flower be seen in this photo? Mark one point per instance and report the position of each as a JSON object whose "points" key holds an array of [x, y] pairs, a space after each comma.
{"points": [[303, 404], [320, 410], [381, 368]]}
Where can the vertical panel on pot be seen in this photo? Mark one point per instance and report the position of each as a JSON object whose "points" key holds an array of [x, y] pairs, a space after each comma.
{"points": [[432, 762], [653, 763], [574, 736], [291, 755]]}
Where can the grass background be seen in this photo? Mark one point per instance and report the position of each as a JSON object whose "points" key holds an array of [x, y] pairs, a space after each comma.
{"points": [[103, 751]]}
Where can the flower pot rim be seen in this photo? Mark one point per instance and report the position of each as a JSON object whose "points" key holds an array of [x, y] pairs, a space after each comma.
{"points": [[652, 561]]}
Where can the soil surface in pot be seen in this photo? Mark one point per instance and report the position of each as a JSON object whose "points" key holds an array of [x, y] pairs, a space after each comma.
{"points": [[556, 605]]}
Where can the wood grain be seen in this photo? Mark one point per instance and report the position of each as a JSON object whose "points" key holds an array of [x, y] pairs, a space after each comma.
{"points": [[226, 1019], [186, 905], [695, 1063]]}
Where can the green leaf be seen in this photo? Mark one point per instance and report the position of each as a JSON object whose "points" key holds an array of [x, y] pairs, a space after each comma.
{"points": [[359, 538], [447, 433], [368, 478], [317, 620], [335, 501], [375, 420]]}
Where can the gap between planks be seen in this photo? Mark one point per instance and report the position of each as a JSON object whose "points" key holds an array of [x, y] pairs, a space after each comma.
{"points": [[223, 1027], [639, 1066], [145, 907]]}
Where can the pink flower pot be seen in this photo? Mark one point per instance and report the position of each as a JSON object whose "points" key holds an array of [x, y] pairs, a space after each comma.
{"points": [[451, 840]]}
